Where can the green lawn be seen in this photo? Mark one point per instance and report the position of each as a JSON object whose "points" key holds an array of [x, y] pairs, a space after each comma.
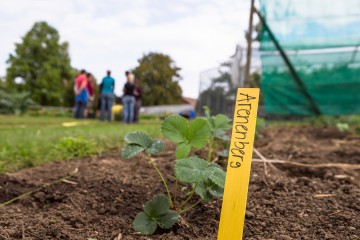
{"points": [[30, 141]]}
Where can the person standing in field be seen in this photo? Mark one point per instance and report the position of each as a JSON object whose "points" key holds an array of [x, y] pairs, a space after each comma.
{"points": [[81, 94], [107, 96], [137, 93], [90, 88], [128, 99], [98, 107]]}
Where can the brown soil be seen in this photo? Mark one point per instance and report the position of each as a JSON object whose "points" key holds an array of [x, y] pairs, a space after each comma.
{"points": [[102, 199]]}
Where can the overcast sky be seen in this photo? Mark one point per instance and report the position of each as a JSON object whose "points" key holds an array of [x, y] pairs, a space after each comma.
{"points": [[114, 34]]}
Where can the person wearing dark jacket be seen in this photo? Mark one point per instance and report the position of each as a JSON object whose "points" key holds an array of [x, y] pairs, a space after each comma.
{"points": [[129, 99], [137, 93]]}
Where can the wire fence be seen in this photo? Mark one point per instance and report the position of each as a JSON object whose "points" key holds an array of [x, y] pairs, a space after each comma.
{"points": [[218, 85]]}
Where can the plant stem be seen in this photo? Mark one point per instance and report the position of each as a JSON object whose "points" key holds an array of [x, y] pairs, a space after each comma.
{"points": [[190, 196], [185, 210], [162, 178], [175, 192], [211, 140]]}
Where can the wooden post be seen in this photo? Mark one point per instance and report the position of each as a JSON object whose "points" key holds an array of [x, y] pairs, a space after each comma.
{"points": [[249, 41]]}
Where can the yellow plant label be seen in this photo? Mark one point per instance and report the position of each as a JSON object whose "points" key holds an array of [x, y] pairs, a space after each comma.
{"points": [[239, 164]]}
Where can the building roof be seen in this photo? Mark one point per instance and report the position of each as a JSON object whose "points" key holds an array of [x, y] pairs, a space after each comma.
{"points": [[191, 101]]}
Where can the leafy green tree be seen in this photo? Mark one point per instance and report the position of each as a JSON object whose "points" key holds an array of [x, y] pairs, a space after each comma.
{"points": [[41, 66], [256, 36], [159, 77], [2, 83]]}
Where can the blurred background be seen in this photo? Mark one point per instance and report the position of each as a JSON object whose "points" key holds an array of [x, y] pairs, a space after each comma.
{"points": [[302, 54]]}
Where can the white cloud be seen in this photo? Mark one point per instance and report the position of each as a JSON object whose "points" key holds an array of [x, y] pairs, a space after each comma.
{"points": [[113, 34]]}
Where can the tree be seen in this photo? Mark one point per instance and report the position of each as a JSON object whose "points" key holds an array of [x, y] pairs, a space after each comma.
{"points": [[41, 66], [255, 31], [159, 77], [2, 83]]}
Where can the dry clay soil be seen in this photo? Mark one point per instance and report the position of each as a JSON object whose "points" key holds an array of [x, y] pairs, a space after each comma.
{"points": [[101, 200]]}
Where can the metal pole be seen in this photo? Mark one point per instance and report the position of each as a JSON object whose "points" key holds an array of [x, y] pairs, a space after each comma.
{"points": [[292, 70], [249, 41]]}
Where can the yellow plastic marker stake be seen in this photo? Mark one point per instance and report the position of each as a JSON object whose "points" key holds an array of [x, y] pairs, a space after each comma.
{"points": [[239, 165]]}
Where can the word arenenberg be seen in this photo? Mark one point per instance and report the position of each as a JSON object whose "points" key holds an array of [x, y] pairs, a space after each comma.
{"points": [[233, 209], [241, 120]]}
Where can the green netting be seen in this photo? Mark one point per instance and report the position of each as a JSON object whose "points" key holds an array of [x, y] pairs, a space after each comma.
{"points": [[321, 40]]}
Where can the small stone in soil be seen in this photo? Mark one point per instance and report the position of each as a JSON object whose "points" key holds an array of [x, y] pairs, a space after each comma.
{"points": [[249, 214]]}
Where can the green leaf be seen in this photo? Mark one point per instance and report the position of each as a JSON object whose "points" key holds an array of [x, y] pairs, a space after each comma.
{"points": [[175, 128], [156, 147], [168, 220], [221, 135], [156, 212], [217, 175], [139, 138], [210, 178], [219, 125], [202, 190], [199, 133], [216, 191], [208, 190], [131, 150], [222, 122], [182, 150], [196, 135], [211, 122], [191, 170], [144, 224], [157, 206], [140, 141]]}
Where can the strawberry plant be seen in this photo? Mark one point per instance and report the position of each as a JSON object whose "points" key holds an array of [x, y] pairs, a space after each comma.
{"points": [[206, 179], [220, 125], [156, 213]]}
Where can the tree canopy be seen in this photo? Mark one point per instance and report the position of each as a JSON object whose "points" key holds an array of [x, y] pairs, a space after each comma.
{"points": [[2, 83], [159, 77], [41, 66]]}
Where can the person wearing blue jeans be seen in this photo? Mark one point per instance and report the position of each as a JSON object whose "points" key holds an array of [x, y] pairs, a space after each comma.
{"points": [[107, 96], [129, 99], [129, 106], [81, 94], [106, 103], [79, 109]]}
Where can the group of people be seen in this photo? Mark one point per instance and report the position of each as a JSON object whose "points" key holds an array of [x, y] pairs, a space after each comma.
{"points": [[84, 95]]}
